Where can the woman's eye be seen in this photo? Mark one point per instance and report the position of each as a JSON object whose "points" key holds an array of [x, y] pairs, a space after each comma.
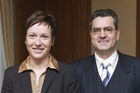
{"points": [[31, 35], [44, 36]]}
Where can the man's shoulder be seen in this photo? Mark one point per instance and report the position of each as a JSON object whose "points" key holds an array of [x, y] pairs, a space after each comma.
{"points": [[131, 60], [67, 70], [84, 60], [128, 57], [65, 67]]}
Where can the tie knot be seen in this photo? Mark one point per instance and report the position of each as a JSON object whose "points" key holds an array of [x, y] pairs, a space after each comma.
{"points": [[105, 66]]}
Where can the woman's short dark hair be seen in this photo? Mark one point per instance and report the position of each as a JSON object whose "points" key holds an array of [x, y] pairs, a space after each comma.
{"points": [[104, 13], [41, 17]]}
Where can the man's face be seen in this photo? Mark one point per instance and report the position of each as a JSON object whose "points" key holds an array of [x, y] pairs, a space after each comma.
{"points": [[103, 34], [39, 41]]}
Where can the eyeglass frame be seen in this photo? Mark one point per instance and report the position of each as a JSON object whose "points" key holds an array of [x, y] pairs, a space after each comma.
{"points": [[107, 30]]}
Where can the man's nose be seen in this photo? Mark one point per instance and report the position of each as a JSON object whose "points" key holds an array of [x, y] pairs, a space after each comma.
{"points": [[102, 33]]}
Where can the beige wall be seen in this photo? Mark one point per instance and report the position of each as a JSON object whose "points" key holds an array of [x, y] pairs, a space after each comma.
{"points": [[126, 10]]}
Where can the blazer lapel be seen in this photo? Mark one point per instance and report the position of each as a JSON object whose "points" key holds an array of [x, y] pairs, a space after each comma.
{"points": [[25, 82], [50, 76]]}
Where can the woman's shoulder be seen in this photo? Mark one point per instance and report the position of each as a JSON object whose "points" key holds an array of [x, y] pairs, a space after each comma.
{"points": [[12, 69]]}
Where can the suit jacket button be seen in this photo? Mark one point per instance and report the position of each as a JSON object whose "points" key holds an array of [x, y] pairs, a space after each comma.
{"points": [[98, 85]]}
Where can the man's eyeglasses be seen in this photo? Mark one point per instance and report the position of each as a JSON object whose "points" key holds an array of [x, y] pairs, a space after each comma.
{"points": [[107, 30]]}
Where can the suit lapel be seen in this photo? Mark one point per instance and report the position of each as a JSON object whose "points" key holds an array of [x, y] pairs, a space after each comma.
{"points": [[50, 76], [25, 82], [90, 75], [120, 80]]}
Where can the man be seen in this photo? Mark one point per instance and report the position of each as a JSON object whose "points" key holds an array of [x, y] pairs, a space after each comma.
{"points": [[107, 70]]}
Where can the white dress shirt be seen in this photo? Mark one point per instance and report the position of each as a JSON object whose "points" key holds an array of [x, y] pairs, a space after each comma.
{"points": [[112, 60]]}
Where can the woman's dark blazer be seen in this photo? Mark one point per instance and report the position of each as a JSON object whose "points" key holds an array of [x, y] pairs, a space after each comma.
{"points": [[63, 81]]}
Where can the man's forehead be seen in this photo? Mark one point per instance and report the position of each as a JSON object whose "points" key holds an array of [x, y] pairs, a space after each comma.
{"points": [[103, 22]]}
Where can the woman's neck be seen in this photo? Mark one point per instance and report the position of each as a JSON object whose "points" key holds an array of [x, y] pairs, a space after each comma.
{"points": [[39, 64]]}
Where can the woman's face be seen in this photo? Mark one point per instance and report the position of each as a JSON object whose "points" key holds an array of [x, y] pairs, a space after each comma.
{"points": [[39, 41]]}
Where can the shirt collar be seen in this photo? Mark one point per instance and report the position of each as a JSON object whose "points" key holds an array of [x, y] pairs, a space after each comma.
{"points": [[53, 64], [112, 60]]}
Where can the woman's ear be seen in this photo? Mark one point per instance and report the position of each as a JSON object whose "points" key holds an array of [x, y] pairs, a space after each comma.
{"points": [[53, 39], [25, 42]]}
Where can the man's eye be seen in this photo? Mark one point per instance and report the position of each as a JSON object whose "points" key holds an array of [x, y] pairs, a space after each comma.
{"points": [[108, 29], [96, 30]]}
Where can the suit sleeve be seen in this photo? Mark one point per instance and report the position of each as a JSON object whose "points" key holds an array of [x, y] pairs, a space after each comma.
{"points": [[7, 83], [74, 84]]}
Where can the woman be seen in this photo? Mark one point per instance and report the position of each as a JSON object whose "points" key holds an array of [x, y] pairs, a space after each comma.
{"points": [[40, 72]]}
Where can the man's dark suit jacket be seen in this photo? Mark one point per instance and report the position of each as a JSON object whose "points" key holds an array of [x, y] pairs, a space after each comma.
{"points": [[64, 81], [125, 79]]}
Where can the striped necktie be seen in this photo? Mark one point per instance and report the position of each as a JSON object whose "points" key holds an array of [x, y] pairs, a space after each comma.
{"points": [[105, 74]]}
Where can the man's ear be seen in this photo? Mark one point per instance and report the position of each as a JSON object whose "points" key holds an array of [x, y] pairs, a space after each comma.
{"points": [[90, 32], [118, 34]]}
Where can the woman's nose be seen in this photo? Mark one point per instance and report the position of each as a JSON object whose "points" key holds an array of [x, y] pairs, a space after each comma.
{"points": [[38, 42]]}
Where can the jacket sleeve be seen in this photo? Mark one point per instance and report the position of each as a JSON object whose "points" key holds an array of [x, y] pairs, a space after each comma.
{"points": [[74, 84], [7, 83]]}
